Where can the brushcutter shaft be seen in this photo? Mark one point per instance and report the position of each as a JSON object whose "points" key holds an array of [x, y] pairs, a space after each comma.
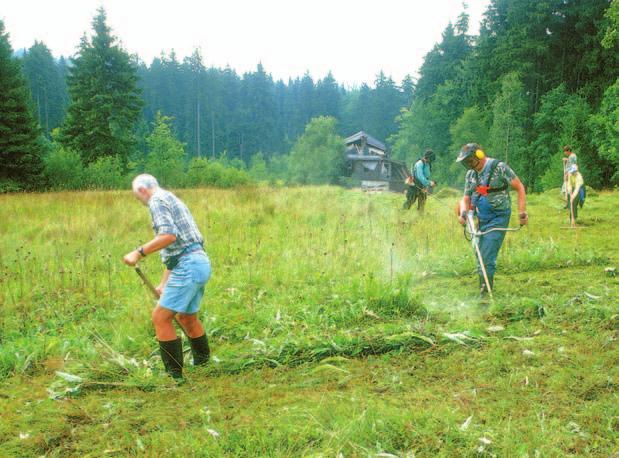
{"points": [[470, 223]]}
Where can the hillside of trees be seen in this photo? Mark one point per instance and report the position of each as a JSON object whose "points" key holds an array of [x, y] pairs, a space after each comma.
{"points": [[540, 74]]}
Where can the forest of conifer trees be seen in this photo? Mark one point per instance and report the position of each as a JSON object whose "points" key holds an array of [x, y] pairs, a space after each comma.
{"points": [[539, 75]]}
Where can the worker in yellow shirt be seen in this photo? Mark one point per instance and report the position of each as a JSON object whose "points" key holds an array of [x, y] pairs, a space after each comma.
{"points": [[575, 192]]}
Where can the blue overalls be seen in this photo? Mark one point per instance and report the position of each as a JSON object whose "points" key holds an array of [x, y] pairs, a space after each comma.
{"points": [[488, 218]]}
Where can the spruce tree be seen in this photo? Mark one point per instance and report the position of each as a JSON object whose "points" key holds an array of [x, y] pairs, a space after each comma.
{"points": [[21, 146], [105, 100], [327, 97], [47, 86]]}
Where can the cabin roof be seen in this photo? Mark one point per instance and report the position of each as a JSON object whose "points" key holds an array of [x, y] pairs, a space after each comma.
{"points": [[370, 141]]}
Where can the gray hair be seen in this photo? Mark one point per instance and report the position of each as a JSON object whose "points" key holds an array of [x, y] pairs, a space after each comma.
{"points": [[144, 181]]}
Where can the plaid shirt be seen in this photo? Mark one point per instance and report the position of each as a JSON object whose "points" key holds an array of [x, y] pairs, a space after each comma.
{"points": [[171, 216]]}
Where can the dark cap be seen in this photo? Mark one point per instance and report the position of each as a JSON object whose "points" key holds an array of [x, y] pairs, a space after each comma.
{"points": [[467, 150], [429, 155]]}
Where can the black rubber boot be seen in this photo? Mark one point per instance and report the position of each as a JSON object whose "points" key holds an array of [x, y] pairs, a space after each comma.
{"points": [[172, 356], [200, 350]]}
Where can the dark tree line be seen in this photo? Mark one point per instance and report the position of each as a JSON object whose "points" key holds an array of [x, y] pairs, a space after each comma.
{"points": [[216, 110], [540, 74]]}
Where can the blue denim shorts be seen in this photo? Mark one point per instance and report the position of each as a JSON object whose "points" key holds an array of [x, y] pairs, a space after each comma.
{"points": [[185, 287]]}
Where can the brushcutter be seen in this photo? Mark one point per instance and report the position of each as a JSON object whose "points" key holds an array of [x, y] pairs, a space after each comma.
{"points": [[147, 282], [471, 233], [474, 234]]}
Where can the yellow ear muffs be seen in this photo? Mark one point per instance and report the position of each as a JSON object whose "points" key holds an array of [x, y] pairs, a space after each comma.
{"points": [[479, 154]]}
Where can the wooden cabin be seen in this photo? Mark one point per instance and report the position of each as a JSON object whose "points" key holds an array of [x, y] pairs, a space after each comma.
{"points": [[370, 165]]}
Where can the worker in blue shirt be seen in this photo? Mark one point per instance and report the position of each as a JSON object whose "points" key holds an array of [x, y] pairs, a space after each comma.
{"points": [[420, 182]]}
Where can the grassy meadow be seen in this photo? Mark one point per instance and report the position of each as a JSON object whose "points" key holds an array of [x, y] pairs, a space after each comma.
{"points": [[340, 325]]}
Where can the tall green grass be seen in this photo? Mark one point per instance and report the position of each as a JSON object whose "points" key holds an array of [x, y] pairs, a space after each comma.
{"points": [[339, 324], [287, 263]]}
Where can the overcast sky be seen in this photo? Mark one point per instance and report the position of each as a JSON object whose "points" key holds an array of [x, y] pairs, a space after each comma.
{"points": [[354, 39]]}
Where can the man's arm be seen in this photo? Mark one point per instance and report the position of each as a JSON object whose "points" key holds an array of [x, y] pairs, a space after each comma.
{"points": [[465, 204], [159, 242], [517, 185], [420, 174], [432, 183]]}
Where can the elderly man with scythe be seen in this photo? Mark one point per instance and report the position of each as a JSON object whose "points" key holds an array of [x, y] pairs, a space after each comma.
{"points": [[187, 271], [486, 196]]}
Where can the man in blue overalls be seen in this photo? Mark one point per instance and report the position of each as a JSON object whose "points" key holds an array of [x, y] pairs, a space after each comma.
{"points": [[486, 190]]}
